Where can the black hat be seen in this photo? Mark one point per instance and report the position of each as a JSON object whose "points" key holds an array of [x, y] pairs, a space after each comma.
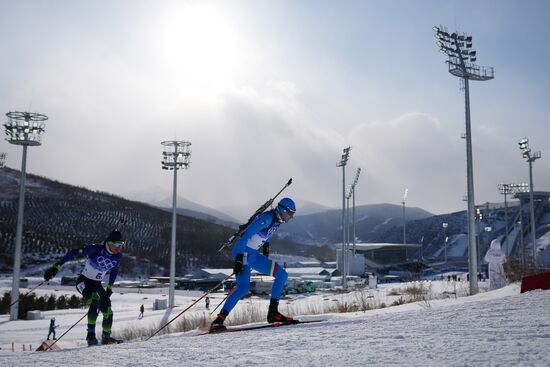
{"points": [[115, 236]]}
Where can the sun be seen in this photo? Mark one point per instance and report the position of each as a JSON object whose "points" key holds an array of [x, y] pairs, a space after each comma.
{"points": [[199, 46]]}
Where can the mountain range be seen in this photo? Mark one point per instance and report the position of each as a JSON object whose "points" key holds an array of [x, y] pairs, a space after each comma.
{"points": [[59, 217]]}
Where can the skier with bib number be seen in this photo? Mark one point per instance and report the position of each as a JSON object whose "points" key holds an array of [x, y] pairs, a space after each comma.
{"points": [[101, 258], [251, 252]]}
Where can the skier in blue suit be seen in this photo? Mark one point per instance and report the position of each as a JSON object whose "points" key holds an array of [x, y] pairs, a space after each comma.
{"points": [[247, 256], [101, 258]]}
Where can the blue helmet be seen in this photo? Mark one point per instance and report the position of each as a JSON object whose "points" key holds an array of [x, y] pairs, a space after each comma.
{"points": [[286, 205]]}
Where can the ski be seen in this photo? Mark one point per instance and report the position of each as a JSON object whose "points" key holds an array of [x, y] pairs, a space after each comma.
{"points": [[235, 329]]}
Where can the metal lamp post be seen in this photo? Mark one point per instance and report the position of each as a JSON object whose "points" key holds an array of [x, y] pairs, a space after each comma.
{"points": [[531, 157], [348, 220], [26, 129], [343, 162], [505, 189], [461, 58], [176, 155], [445, 225], [405, 223], [517, 188], [349, 195], [357, 173], [509, 189], [479, 218]]}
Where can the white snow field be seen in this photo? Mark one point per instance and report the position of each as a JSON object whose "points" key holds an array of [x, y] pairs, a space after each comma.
{"points": [[496, 328]]}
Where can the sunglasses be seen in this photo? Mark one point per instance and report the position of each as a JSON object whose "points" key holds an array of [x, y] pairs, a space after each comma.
{"points": [[117, 244]]}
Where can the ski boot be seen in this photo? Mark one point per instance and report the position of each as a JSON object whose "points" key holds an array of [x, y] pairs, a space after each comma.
{"points": [[273, 315], [91, 339], [106, 339], [217, 325]]}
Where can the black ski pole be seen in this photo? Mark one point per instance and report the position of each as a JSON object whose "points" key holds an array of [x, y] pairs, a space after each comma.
{"points": [[24, 295], [69, 329], [191, 305], [231, 241], [222, 301]]}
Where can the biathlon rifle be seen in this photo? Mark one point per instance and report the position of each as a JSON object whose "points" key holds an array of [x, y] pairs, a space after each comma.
{"points": [[235, 236]]}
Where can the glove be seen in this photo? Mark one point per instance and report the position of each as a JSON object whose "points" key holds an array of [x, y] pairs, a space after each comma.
{"points": [[51, 272], [238, 265], [265, 249], [109, 290]]}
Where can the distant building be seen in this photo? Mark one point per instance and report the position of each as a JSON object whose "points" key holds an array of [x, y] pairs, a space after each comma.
{"points": [[374, 256], [309, 264], [208, 273]]}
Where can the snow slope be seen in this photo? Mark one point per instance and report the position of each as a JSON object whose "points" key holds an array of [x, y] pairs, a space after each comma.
{"points": [[500, 327]]}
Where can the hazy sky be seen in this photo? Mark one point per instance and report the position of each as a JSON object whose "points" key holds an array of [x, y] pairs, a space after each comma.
{"points": [[267, 90]]}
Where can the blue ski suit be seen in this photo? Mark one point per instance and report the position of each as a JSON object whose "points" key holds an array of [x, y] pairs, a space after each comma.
{"points": [[255, 235], [99, 261]]}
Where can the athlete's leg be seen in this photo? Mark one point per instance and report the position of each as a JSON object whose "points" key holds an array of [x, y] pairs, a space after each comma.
{"points": [[243, 285], [106, 310], [87, 288], [266, 266]]}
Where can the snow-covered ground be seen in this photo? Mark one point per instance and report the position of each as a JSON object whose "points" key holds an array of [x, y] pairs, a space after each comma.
{"points": [[500, 327]]}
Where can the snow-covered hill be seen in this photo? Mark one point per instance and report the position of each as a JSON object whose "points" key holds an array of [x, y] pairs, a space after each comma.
{"points": [[500, 327]]}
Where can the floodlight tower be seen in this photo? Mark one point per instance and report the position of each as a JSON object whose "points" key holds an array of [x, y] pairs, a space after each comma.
{"points": [[176, 155], [357, 173], [347, 240], [2, 159], [445, 225], [517, 188], [404, 220], [461, 58], [505, 189], [530, 157], [479, 218], [343, 162], [26, 129]]}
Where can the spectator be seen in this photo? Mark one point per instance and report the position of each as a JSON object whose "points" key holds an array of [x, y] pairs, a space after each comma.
{"points": [[141, 311], [52, 329]]}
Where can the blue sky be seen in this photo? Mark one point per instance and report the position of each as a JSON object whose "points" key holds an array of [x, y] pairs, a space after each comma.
{"points": [[275, 89]]}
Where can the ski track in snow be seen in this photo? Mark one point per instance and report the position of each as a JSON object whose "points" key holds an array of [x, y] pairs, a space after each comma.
{"points": [[512, 330]]}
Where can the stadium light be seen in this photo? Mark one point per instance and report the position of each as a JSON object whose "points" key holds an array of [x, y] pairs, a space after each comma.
{"points": [[357, 173], [343, 162], [531, 157], [405, 224], [26, 129], [445, 225], [519, 188], [176, 156], [508, 189], [461, 64]]}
